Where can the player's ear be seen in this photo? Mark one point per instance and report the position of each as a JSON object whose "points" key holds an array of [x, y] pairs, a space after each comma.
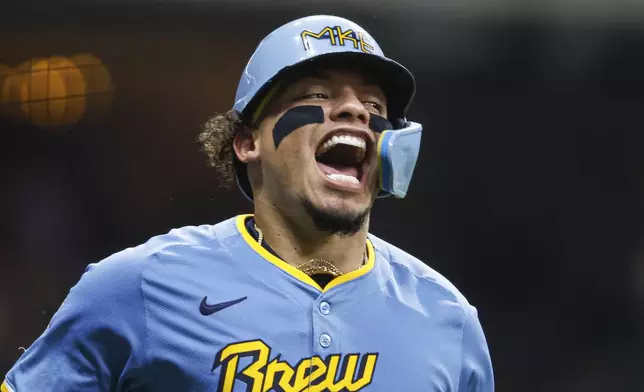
{"points": [[246, 145]]}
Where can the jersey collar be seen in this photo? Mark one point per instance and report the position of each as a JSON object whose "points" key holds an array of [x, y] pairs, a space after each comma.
{"points": [[296, 273]]}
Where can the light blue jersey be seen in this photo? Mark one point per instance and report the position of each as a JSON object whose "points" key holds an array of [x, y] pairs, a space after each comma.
{"points": [[208, 309]]}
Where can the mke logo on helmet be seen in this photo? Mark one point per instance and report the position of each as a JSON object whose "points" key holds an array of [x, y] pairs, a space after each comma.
{"points": [[311, 374], [338, 38]]}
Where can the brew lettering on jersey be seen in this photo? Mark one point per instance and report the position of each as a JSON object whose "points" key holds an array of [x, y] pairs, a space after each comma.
{"points": [[337, 372]]}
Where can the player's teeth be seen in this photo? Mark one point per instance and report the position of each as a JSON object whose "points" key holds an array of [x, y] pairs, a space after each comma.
{"points": [[343, 178], [343, 139]]}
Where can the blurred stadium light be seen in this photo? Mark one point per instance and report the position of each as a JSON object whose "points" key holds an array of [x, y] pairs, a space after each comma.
{"points": [[57, 91], [52, 94], [99, 88]]}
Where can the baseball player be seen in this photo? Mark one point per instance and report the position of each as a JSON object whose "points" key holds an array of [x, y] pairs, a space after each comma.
{"points": [[297, 296]]}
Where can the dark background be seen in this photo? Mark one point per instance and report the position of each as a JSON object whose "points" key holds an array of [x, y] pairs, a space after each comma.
{"points": [[528, 194]]}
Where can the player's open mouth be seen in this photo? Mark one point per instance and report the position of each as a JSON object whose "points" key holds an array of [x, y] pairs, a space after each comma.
{"points": [[342, 159]]}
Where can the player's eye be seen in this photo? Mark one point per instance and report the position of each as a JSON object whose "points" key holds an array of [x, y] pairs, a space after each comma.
{"points": [[315, 96], [373, 106]]}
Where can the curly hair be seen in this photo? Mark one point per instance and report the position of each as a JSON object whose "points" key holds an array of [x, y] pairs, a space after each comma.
{"points": [[216, 140]]}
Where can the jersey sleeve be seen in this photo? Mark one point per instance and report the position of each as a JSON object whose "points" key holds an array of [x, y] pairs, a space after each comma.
{"points": [[95, 341], [476, 374]]}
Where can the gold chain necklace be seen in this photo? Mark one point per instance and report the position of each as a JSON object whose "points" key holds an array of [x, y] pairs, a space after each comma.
{"points": [[315, 265]]}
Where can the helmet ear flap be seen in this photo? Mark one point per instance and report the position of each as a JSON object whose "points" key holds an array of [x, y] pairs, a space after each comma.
{"points": [[397, 156]]}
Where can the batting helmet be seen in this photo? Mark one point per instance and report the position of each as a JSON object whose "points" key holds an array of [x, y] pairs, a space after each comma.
{"points": [[322, 37]]}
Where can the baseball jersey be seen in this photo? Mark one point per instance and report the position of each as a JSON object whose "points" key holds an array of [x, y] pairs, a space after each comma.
{"points": [[205, 308]]}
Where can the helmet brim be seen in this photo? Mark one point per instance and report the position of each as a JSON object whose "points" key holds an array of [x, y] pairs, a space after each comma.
{"points": [[396, 81]]}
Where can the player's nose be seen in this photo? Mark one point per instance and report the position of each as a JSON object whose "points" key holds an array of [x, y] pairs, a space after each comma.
{"points": [[348, 107]]}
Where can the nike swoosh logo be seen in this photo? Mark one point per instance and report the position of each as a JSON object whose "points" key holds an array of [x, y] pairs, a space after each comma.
{"points": [[207, 310]]}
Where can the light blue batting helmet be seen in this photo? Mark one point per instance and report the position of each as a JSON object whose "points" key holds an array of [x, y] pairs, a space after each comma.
{"points": [[311, 39]]}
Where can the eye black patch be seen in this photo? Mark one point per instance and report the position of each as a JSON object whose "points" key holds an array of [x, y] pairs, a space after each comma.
{"points": [[378, 123], [300, 116], [295, 118]]}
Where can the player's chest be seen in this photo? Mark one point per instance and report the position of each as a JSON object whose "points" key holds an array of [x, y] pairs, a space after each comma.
{"points": [[278, 340]]}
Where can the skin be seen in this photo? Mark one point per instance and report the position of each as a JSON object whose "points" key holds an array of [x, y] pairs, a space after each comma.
{"points": [[291, 192]]}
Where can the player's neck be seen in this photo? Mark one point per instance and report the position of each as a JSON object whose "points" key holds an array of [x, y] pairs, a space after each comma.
{"points": [[298, 241]]}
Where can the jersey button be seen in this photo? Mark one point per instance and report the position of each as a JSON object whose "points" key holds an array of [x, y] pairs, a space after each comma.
{"points": [[325, 340], [325, 308]]}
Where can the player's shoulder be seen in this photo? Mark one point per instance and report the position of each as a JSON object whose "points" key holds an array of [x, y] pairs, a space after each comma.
{"points": [[403, 266], [177, 246]]}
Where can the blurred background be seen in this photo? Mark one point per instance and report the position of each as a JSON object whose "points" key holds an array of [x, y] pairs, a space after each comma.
{"points": [[528, 195]]}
